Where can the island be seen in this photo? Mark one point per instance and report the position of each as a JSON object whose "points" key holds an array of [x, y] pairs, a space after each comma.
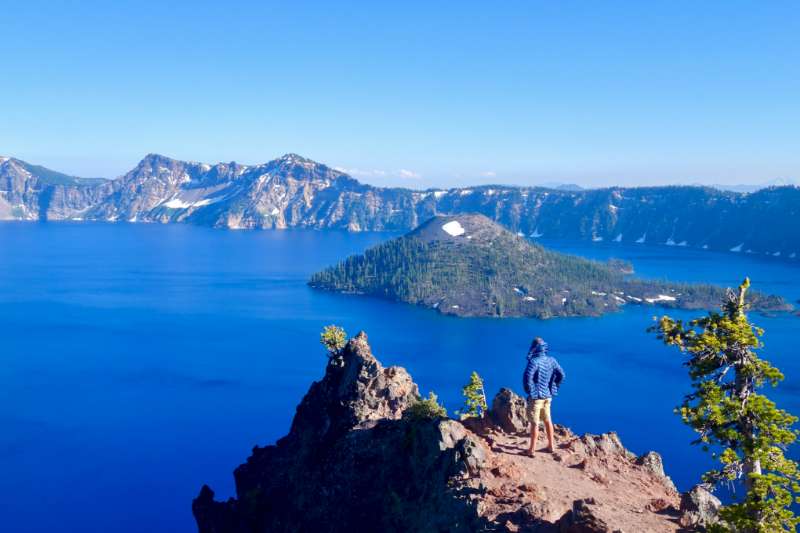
{"points": [[468, 265]]}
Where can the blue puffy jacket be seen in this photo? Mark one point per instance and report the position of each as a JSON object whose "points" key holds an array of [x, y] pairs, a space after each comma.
{"points": [[542, 376]]}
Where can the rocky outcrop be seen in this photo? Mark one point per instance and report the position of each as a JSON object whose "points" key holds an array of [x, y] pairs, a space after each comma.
{"points": [[293, 191], [699, 508], [356, 459]]}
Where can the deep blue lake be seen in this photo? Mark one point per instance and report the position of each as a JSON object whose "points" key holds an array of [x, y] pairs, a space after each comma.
{"points": [[140, 361]]}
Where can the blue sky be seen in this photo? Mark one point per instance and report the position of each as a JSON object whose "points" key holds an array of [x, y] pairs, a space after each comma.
{"points": [[411, 93]]}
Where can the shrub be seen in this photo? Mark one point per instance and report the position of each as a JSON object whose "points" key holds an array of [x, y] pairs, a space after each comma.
{"points": [[426, 408]]}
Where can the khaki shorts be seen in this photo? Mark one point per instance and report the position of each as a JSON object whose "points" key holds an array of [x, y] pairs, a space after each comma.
{"points": [[539, 410]]}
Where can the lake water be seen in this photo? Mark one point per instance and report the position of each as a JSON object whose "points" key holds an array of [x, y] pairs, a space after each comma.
{"points": [[141, 361]]}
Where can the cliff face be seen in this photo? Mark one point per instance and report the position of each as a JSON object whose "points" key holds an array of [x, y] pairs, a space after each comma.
{"points": [[296, 192], [353, 462]]}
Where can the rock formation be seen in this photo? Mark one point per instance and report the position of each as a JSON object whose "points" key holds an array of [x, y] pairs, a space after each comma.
{"points": [[355, 460]]}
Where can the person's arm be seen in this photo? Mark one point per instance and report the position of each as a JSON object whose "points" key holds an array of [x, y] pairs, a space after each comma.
{"points": [[528, 377], [558, 373]]}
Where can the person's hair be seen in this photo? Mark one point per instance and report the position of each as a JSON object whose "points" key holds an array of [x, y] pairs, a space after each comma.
{"points": [[537, 341]]}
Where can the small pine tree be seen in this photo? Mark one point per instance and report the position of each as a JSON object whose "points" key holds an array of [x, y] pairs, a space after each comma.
{"points": [[743, 429], [474, 397], [334, 339], [426, 408]]}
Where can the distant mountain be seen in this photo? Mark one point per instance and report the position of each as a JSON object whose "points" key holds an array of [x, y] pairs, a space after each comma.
{"points": [[746, 188], [468, 265], [562, 186], [293, 191]]}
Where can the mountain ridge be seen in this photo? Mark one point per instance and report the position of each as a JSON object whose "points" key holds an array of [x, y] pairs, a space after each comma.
{"points": [[295, 192]]}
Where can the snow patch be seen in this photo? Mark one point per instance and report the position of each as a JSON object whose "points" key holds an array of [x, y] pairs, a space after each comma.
{"points": [[618, 238], [597, 239], [737, 248], [177, 203], [274, 211], [641, 239], [536, 234], [660, 298], [454, 228], [529, 299], [439, 194]]}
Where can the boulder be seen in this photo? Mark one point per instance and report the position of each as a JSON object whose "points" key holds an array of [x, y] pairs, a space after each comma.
{"points": [[583, 518], [510, 412], [652, 461], [699, 508]]}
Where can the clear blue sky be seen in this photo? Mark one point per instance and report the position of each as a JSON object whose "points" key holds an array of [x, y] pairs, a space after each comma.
{"points": [[418, 94]]}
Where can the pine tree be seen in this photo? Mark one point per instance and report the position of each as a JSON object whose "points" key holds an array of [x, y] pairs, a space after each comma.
{"points": [[743, 429], [333, 338], [474, 397]]}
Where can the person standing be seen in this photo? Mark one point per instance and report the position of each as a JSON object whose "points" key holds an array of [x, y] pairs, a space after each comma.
{"points": [[543, 375]]}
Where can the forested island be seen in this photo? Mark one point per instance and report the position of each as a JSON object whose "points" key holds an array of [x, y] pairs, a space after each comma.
{"points": [[468, 265]]}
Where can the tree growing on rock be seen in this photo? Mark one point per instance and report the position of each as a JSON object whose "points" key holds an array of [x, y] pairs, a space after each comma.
{"points": [[474, 397], [742, 428], [334, 339]]}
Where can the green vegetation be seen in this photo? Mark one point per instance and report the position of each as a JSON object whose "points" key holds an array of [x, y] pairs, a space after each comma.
{"points": [[334, 339], [743, 429], [493, 272], [426, 408], [474, 397]]}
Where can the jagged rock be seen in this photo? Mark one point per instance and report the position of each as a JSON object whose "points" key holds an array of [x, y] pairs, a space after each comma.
{"points": [[350, 459], [509, 412], [583, 519], [606, 442], [699, 508], [652, 461], [353, 462]]}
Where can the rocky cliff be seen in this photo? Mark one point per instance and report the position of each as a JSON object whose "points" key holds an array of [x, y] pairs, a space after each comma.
{"points": [[355, 460], [293, 191]]}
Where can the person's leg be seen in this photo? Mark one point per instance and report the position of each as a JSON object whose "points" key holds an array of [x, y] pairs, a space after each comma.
{"points": [[548, 425], [535, 412]]}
